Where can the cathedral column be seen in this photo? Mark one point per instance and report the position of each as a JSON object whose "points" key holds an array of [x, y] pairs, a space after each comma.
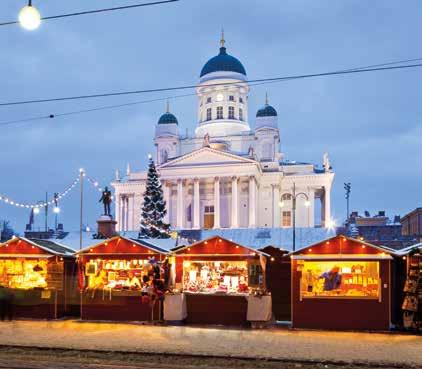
{"points": [[117, 210], [217, 202], [252, 202], [235, 203], [179, 209], [327, 206], [196, 205], [166, 193], [276, 207]]}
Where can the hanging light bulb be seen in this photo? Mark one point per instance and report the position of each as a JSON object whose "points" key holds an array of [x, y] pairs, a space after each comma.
{"points": [[36, 210], [29, 17], [56, 210]]}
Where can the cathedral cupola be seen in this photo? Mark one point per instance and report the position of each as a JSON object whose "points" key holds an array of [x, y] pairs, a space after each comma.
{"points": [[167, 136], [266, 117], [222, 96]]}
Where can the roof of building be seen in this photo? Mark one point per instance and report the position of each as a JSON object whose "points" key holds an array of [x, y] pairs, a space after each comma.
{"points": [[53, 246], [223, 62], [258, 238], [167, 118], [266, 111]]}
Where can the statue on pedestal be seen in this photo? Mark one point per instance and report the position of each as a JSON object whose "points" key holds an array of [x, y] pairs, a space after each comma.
{"points": [[106, 199]]}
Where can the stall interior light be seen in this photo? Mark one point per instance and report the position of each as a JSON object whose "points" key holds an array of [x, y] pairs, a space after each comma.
{"points": [[327, 243], [206, 242], [363, 246], [91, 250], [237, 246], [106, 243], [404, 257], [310, 250], [188, 248], [220, 240], [272, 259]]}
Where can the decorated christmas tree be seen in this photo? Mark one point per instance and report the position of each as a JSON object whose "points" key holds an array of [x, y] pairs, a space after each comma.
{"points": [[154, 207]]}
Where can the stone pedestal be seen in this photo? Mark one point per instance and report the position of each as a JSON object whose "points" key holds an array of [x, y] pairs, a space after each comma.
{"points": [[106, 226]]}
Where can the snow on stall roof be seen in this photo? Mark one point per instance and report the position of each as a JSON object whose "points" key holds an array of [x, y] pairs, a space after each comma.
{"points": [[258, 238], [165, 244]]}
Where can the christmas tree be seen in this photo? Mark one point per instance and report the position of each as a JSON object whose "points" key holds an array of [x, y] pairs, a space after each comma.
{"points": [[154, 207]]}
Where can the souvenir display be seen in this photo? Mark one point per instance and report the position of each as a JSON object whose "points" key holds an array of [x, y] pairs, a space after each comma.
{"points": [[412, 303], [23, 274], [340, 279]]}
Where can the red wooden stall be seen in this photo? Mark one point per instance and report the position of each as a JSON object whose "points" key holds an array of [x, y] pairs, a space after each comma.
{"points": [[216, 277], [342, 283], [37, 276], [118, 278]]}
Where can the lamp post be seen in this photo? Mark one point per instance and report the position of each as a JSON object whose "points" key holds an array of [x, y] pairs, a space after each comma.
{"points": [[294, 196], [347, 188]]}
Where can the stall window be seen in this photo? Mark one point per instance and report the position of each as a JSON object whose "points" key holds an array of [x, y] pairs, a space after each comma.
{"points": [[287, 218], [23, 274], [255, 275], [216, 276], [339, 279]]}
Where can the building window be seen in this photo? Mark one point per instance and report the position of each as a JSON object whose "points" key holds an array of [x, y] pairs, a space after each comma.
{"points": [[286, 197], [208, 100], [287, 219], [231, 98], [189, 213], [231, 112], [219, 112], [209, 209], [164, 156], [340, 279], [240, 114], [209, 117], [241, 100]]}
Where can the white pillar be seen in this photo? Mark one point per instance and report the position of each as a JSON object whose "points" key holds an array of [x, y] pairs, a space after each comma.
{"points": [[130, 226], [252, 202], [311, 209], [117, 211], [217, 202], [166, 194], [179, 210], [276, 206], [196, 205], [327, 205], [235, 203], [127, 213]]}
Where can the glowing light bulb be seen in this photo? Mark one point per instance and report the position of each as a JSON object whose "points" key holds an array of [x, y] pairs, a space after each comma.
{"points": [[36, 210], [56, 210], [220, 97], [307, 203], [281, 204], [330, 224], [29, 17]]}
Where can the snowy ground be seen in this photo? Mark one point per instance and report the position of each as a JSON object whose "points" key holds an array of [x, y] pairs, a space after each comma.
{"points": [[386, 350]]}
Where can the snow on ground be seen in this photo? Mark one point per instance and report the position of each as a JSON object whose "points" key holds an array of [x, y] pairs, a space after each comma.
{"points": [[269, 343]]}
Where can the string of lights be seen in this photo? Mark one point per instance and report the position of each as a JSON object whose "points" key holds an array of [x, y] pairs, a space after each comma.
{"points": [[189, 87], [30, 18], [57, 196]]}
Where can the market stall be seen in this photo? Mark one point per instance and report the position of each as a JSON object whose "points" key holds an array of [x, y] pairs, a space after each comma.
{"points": [[122, 279], [222, 282], [36, 277], [342, 283]]}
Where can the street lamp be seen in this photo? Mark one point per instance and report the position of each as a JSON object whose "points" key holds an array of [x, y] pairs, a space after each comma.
{"points": [[36, 210], [294, 196], [29, 17]]}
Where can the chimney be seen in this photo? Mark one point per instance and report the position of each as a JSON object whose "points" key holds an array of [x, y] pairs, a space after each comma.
{"points": [[381, 213]]}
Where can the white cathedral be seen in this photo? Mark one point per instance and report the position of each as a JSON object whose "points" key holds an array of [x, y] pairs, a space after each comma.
{"points": [[229, 174]]}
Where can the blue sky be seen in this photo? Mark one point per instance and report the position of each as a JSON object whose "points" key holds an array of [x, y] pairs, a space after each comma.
{"points": [[369, 123]]}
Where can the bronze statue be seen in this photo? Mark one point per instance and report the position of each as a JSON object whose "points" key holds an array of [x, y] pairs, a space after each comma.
{"points": [[106, 200]]}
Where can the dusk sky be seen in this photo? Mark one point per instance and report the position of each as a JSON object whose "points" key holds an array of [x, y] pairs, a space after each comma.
{"points": [[369, 123]]}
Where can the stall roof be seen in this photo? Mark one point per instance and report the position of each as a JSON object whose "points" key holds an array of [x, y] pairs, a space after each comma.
{"points": [[408, 249], [165, 244], [177, 250], [131, 240], [259, 238], [53, 248], [296, 253]]}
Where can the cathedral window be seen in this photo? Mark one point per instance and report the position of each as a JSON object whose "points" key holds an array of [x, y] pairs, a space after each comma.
{"points": [[219, 112], [209, 117], [231, 112], [208, 100], [231, 98], [240, 114], [286, 197], [241, 100], [287, 218]]}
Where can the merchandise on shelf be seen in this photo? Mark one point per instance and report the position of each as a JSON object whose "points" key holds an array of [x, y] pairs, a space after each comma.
{"points": [[23, 274], [340, 279]]}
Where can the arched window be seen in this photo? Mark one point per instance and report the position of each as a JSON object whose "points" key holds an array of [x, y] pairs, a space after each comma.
{"points": [[164, 156], [286, 197], [267, 150], [219, 112], [208, 100], [231, 112], [209, 115]]}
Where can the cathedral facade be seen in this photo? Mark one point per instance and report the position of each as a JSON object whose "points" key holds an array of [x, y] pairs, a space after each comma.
{"points": [[228, 174]]}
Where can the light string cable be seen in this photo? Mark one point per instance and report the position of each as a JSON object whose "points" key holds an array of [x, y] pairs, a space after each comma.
{"points": [[40, 204], [115, 106], [96, 11]]}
